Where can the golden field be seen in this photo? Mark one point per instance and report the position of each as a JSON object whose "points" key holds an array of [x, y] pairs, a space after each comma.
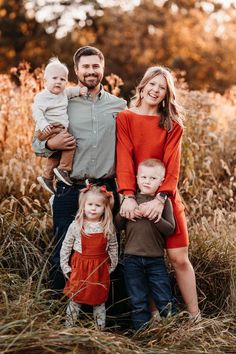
{"points": [[30, 322]]}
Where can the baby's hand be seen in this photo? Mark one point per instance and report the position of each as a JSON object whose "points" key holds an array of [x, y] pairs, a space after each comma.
{"points": [[83, 91], [47, 129]]}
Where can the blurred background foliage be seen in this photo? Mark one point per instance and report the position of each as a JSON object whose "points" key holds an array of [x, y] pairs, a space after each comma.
{"points": [[195, 38]]}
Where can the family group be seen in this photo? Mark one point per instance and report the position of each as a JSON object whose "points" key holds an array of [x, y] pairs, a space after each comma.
{"points": [[112, 169]]}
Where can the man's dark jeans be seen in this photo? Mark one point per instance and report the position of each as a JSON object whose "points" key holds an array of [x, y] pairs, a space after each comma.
{"points": [[146, 276]]}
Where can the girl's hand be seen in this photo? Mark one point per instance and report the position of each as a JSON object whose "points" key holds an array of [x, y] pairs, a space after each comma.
{"points": [[152, 210], [127, 209]]}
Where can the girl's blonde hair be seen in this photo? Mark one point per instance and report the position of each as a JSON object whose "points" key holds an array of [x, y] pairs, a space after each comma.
{"points": [[169, 109], [107, 199]]}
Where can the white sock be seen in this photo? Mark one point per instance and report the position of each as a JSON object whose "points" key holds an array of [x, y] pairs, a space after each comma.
{"points": [[99, 314], [72, 312]]}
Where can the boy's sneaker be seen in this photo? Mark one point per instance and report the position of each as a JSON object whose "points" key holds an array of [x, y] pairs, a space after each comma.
{"points": [[46, 184], [63, 176]]}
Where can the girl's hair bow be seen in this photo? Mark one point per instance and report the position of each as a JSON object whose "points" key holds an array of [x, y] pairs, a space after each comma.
{"points": [[104, 190], [87, 188]]}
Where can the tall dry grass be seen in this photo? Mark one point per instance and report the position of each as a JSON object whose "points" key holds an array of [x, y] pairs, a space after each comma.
{"points": [[30, 321]]}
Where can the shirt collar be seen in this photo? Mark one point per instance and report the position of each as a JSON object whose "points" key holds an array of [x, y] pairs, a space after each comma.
{"points": [[101, 92]]}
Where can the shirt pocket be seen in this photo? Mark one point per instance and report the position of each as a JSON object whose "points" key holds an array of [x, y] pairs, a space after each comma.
{"points": [[108, 122]]}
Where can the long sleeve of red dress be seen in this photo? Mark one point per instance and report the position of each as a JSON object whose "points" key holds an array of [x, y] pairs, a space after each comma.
{"points": [[171, 159], [139, 137]]}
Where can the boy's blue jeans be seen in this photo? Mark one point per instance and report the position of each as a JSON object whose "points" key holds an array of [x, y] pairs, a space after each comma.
{"points": [[146, 276]]}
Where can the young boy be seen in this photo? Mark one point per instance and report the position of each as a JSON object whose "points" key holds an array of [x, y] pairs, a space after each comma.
{"points": [[144, 266], [50, 113]]}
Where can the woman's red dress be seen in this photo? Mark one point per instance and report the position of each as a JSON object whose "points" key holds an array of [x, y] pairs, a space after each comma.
{"points": [[139, 137]]}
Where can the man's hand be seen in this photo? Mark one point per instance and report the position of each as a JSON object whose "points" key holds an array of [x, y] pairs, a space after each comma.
{"points": [[152, 210], [62, 141], [128, 207]]}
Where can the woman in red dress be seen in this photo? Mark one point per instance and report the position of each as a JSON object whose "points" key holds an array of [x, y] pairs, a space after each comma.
{"points": [[153, 128], [92, 239]]}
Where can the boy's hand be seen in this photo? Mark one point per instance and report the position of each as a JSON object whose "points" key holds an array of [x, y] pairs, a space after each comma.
{"points": [[47, 129], [83, 91], [152, 210]]}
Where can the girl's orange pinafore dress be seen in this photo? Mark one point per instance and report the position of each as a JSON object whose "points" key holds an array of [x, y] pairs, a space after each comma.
{"points": [[89, 280]]}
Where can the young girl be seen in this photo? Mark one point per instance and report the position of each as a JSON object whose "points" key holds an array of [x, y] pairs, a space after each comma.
{"points": [[92, 238]]}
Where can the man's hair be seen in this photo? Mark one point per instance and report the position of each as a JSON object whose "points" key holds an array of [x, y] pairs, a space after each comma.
{"points": [[87, 51], [153, 163], [55, 63]]}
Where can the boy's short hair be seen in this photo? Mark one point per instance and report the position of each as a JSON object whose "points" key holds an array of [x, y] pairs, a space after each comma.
{"points": [[153, 163], [55, 62], [87, 51]]}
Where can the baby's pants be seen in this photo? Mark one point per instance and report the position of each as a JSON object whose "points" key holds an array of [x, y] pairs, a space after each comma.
{"points": [[62, 159]]}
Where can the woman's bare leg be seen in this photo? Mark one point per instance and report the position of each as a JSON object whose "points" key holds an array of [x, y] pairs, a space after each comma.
{"points": [[185, 277]]}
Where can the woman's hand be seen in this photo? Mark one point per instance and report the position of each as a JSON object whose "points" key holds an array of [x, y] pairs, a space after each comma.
{"points": [[129, 209], [152, 210]]}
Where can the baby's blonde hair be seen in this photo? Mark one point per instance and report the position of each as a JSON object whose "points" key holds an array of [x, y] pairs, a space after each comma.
{"points": [[55, 63], [107, 199]]}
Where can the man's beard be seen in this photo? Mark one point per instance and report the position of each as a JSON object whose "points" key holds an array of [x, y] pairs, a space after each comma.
{"points": [[90, 84]]}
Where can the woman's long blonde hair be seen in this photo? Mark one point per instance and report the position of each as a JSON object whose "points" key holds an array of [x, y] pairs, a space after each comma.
{"points": [[168, 109], [107, 199]]}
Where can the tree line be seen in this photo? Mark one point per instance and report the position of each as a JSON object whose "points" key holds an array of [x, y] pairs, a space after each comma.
{"points": [[195, 38]]}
